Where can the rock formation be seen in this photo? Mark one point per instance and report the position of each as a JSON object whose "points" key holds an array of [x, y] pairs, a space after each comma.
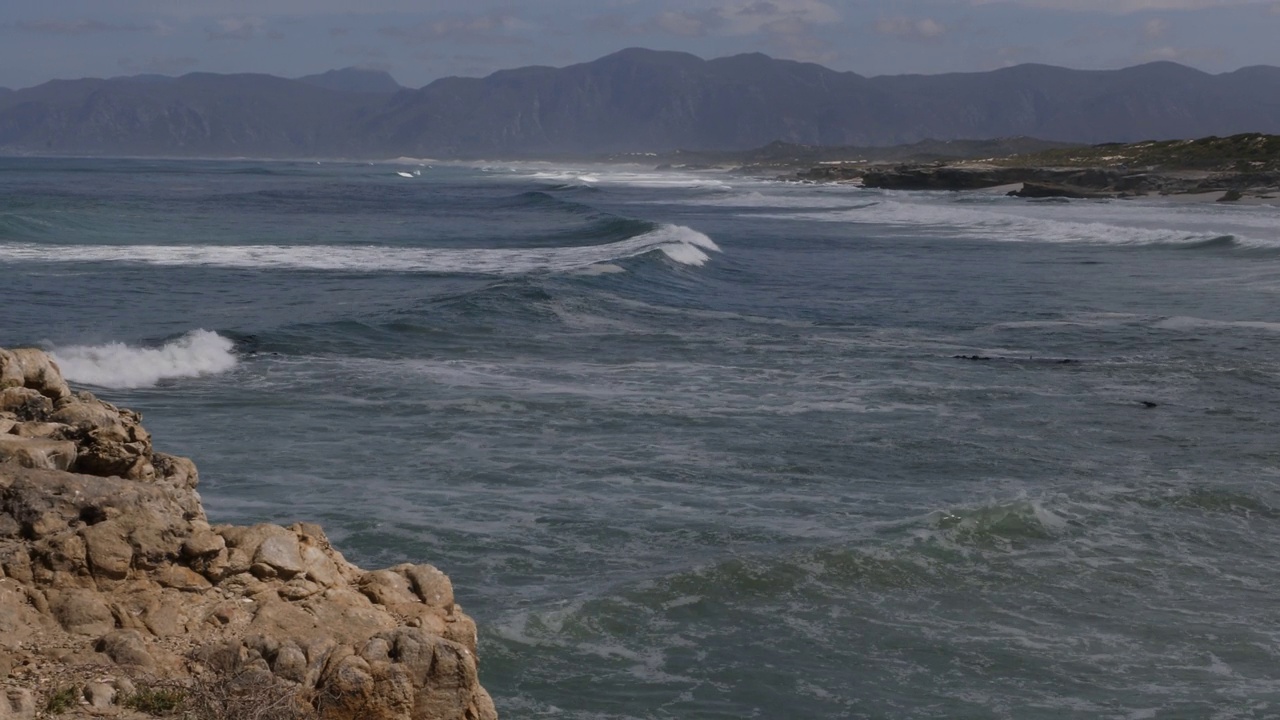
{"points": [[118, 596]]}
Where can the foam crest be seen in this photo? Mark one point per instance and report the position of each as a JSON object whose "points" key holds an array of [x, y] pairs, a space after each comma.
{"points": [[847, 200], [116, 365], [683, 245], [1181, 322], [631, 178], [1122, 227], [999, 523]]}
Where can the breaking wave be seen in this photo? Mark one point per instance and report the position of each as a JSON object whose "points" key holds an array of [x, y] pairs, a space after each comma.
{"points": [[1006, 226], [116, 365], [681, 244]]}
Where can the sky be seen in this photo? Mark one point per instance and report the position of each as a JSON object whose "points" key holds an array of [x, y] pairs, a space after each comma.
{"points": [[418, 41]]}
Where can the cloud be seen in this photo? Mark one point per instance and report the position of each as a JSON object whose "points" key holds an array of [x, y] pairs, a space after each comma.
{"points": [[725, 18], [366, 52], [1182, 55], [157, 64], [77, 27], [494, 28], [906, 28], [1124, 7], [613, 24], [236, 28], [1155, 28], [794, 39], [683, 24], [747, 17]]}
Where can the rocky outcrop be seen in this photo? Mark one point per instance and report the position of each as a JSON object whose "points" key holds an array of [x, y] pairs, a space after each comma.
{"points": [[1040, 182], [114, 583]]}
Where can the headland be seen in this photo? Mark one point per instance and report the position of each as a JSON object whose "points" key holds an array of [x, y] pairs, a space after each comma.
{"points": [[118, 597], [1242, 167]]}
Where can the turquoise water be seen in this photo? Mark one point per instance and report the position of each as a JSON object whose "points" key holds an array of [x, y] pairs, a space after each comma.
{"points": [[698, 446]]}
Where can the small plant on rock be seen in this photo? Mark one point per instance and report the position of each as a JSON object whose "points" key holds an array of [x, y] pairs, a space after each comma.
{"points": [[61, 700], [156, 700]]}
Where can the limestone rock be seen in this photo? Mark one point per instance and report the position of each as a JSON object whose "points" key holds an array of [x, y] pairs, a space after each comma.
{"points": [[82, 612], [49, 430], [126, 647], [35, 452], [39, 372], [107, 560], [99, 695], [11, 372], [17, 704]]}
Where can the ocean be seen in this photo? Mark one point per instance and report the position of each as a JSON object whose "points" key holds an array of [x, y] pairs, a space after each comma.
{"points": [[693, 445]]}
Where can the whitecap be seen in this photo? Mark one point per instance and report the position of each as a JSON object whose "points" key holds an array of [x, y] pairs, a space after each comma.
{"points": [[117, 365], [681, 244]]}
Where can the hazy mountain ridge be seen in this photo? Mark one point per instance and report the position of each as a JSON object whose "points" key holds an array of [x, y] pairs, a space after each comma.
{"points": [[354, 79], [631, 101]]}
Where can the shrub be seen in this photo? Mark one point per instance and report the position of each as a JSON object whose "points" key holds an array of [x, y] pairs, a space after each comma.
{"points": [[61, 700], [156, 700]]}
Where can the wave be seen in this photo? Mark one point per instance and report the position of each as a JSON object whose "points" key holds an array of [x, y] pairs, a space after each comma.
{"points": [[679, 243], [116, 365], [971, 222], [852, 199], [1187, 323], [540, 199], [1222, 241], [629, 178], [998, 523], [15, 225]]}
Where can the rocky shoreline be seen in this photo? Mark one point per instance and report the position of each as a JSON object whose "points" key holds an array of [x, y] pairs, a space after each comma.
{"points": [[119, 599], [1039, 182]]}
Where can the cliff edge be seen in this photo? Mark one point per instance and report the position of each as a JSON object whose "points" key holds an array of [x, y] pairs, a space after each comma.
{"points": [[119, 599]]}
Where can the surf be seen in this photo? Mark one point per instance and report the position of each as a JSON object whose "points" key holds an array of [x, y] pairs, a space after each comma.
{"points": [[117, 365], [681, 244]]}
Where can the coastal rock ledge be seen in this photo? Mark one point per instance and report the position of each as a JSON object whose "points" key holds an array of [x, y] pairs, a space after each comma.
{"points": [[119, 599]]}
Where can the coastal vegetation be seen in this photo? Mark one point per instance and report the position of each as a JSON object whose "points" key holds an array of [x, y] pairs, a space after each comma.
{"points": [[1239, 167], [1243, 153]]}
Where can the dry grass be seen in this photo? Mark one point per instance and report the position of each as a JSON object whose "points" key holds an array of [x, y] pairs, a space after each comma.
{"points": [[247, 695]]}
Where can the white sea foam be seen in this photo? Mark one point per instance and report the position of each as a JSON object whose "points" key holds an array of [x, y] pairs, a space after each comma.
{"points": [[846, 199], [116, 365], [681, 244], [1121, 225], [631, 177], [1194, 323]]}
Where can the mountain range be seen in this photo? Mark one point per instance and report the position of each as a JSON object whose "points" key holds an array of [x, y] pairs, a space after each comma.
{"points": [[633, 101]]}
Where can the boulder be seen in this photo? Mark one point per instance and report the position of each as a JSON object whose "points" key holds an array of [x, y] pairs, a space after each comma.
{"points": [[38, 371], [37, 452]]}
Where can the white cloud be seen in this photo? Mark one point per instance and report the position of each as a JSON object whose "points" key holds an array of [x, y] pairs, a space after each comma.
{"points": [[741, 17], [1155, 28], [748, 17], [236, 28], [907, 28]]}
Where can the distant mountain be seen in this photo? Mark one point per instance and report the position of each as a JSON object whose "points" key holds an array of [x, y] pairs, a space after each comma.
{"points": [[631, 101], [144, 78], [354, 79], [196, 114]]}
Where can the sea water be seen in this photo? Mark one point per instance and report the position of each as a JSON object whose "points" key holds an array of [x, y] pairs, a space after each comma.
{"points": [[693, 445]]}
